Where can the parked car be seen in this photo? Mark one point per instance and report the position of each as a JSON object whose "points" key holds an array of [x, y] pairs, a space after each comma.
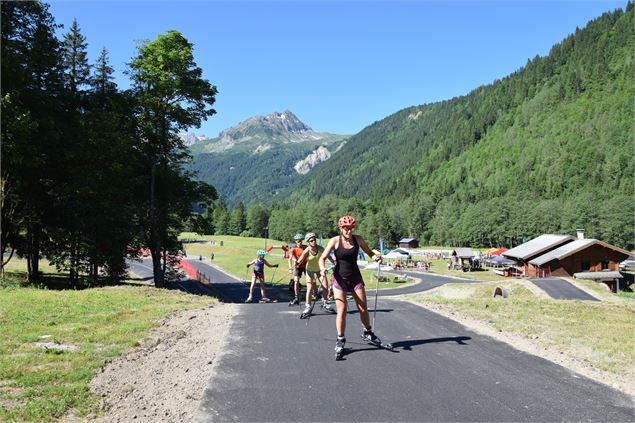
{"points": [[627, 264]]}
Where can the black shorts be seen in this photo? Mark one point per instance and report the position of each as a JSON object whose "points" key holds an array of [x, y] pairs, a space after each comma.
{"points": [[298, 272]]}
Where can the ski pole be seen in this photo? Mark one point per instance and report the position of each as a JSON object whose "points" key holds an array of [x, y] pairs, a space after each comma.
{"points": [[273, 275], [376, 286], [244, 281]]}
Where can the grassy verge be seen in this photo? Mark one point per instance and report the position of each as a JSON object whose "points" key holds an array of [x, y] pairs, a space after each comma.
{"points": [[237, 251], [602, 333], [37, 384]]}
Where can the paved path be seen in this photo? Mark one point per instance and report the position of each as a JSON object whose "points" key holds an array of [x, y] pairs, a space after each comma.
{"points": [[276, 367], [560, 289]]}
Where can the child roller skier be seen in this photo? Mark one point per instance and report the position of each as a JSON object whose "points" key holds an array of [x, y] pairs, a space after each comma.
{"points": [[311, 255], [347, 278], [259, 273]]}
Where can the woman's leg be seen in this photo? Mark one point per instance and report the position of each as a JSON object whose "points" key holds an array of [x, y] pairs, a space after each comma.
{"points": [[253, 285], [340, 320], [263, 293], [310, 283], [325, 288], [359, 295]]}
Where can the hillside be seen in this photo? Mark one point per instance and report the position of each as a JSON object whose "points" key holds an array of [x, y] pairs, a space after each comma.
{"points": [[250, 161], [547, 149]]}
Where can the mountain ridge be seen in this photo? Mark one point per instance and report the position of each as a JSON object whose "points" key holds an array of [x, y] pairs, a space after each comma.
{"points": [[270, 146]]}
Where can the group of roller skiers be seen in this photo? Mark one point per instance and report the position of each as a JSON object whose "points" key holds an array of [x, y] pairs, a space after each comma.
{"points": [[346, 278]]}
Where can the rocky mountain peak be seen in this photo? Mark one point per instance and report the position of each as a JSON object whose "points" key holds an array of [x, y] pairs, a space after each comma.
{"points": [[275, 125]]}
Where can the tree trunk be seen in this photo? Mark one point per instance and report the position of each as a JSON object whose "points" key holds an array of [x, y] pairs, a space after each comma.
{"points": [[33, 255], [155, 242]]}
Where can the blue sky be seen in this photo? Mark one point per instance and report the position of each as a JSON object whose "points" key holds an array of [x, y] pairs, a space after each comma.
{"points": [[339, 66]]}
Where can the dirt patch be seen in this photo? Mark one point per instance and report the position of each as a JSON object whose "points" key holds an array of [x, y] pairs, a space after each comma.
{"points": [[163, 380]]}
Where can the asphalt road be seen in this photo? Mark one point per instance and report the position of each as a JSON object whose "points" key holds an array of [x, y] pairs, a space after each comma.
{"points": [[277, 367], [560, 289]]}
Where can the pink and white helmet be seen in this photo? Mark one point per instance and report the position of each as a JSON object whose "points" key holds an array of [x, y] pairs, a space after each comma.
{"points": [[346, 221]]}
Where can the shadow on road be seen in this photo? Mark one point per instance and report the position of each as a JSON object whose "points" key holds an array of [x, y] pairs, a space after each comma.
{"points": [[379, 310], [407, 345]]}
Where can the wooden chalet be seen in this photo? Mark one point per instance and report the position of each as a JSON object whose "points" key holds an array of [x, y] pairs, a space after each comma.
{"points": [[563, 255], [408, 243], [581, 255], [536, 247]]}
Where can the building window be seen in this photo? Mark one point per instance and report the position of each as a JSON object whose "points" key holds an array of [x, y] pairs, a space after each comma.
{"points": [[585, 266]]}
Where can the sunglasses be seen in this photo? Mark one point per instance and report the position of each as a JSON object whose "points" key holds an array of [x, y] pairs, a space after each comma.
{"points": [[312, 240]]}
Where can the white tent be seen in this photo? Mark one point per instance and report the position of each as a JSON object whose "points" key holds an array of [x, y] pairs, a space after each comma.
{"points": [[394, 254], [373, 266]]}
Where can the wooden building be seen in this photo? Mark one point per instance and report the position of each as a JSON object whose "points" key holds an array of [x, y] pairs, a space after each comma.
{"points": [[536, 247], [581, 255], [563, 255], [408, 243]]}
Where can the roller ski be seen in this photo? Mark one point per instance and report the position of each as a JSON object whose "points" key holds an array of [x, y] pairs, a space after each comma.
{"points": [[308, 311], [328, 307], [294, 301], [371, 339], [267, 300], [339, 348]]}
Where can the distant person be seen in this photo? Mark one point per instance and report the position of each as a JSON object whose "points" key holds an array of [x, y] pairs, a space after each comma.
{"points": [[311, 255], [259, 264], [297, 267], [348, 278]]}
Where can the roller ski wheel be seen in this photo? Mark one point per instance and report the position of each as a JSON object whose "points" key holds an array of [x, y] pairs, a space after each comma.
{"points": [[267, 300]]}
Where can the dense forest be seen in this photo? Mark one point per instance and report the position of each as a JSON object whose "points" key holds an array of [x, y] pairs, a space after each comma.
{"points": [[547, 149], [90, 173]]}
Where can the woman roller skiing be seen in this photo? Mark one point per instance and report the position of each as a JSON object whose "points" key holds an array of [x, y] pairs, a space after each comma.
{"points": [[347, 278], [311, 256]]}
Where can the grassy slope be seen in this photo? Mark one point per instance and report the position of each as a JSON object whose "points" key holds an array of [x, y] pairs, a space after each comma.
{"points": [[43, 385]]}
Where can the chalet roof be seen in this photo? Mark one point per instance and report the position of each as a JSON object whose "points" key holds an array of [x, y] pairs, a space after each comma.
{"points": [[407, 240], [537, 245], [599, 276], [463, 252], [570, 248]]}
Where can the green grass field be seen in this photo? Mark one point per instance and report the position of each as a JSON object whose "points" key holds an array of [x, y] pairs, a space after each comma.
{"points": [[43, 385]]}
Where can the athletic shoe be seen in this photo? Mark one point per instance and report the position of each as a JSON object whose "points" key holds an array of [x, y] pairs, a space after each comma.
{"points": [[248, 300], [339, 344], [265, 300], [370, 337], [329, 307]]}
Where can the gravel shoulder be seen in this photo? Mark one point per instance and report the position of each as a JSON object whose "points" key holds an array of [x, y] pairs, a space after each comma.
{"points": [[164, 378]]}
